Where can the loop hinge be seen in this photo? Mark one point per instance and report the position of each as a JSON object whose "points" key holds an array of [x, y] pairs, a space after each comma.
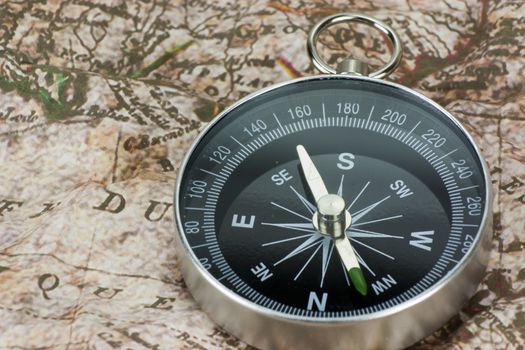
{"points": [[353, 67]]}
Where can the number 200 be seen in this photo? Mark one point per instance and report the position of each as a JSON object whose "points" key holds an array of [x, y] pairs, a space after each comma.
{"points": [[394, 117]]}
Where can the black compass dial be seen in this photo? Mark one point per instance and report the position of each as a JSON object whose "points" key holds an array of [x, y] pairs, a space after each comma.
{"points": [[410, 177]]}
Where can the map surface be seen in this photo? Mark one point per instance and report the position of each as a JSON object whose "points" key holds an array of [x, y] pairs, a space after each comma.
{"points": [[99, 101]]}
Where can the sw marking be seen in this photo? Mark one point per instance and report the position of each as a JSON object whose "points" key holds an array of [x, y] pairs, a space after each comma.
{"points": [[402, 190]]}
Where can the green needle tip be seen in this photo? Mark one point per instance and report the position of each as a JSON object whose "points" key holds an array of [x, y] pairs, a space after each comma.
{"points": [[357, 278]]}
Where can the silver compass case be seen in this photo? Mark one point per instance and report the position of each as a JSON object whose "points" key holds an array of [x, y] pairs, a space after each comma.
{"points": [[394, 328]]}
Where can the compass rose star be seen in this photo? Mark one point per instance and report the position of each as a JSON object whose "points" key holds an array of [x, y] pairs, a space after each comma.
{"points": [[309, 239]]}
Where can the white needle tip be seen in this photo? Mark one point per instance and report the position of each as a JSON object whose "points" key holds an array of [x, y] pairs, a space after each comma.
{"points": [[311, 174]]}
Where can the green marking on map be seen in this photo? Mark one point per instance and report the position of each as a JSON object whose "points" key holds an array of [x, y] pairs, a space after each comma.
{"points": [[161, 60]]}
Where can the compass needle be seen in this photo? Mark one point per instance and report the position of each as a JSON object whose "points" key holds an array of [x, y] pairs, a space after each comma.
{"points": [[346, 252], [358, 279], [332, 219], [311, 174]]}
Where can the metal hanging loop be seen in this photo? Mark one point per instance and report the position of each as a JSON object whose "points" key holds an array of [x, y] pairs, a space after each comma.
{"points": [[322, 66]]}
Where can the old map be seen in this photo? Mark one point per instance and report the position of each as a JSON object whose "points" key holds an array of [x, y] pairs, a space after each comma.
{"points": [[100, 99]]}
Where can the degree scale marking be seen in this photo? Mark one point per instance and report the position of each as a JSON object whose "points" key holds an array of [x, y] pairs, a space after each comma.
{"points": [[351, 122]]}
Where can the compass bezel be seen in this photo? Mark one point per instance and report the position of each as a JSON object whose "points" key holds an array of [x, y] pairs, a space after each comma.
{"points": [[238, 315]]}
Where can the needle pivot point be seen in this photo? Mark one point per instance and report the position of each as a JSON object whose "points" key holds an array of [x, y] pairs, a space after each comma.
{"points": [[331, 207], [331, 218], [331, 215]]}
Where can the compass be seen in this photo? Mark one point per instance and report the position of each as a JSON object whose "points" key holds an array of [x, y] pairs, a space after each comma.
{"points": [[337, 211]]}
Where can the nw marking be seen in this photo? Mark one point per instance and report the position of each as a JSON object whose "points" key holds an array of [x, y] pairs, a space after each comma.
{"points": [[385, 283]]}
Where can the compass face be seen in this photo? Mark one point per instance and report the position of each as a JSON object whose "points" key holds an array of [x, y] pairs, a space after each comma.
{"points": [[411, 179]]}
